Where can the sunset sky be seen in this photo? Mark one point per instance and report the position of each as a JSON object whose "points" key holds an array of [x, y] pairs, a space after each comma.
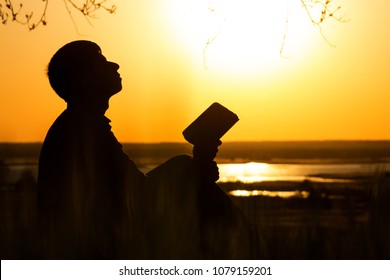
{"points": [[312, 92]]}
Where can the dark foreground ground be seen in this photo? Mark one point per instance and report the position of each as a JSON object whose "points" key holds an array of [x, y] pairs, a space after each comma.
{"points": [[334, 222], [349, 221]]}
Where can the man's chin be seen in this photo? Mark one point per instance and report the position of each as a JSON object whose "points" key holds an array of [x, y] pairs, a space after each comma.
{"points": [[117, 89]]}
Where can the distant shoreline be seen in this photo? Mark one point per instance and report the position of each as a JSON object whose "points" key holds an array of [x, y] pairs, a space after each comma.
{"points": [[294, 152]]}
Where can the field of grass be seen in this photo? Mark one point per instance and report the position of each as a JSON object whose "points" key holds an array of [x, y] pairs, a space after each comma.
{"points": [[334, 222], [349, 223]]}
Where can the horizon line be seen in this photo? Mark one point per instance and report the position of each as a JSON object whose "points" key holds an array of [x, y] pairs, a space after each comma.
{"points": [[223, 142]]}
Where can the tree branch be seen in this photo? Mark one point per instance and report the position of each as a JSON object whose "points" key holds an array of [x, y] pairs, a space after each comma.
{"points": [[88, 8], [326, 11]]}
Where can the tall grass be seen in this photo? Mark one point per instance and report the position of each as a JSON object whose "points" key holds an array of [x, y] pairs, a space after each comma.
{"points": [[350, 223], [335, 223]]}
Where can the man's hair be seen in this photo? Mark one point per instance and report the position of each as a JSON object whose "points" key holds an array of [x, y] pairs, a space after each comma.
{"points": [[70, 64]]}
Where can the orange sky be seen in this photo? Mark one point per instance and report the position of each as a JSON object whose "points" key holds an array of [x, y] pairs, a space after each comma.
{"points": [[315, 92]]}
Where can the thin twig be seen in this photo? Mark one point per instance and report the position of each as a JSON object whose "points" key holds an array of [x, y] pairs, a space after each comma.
{"points": [[285, 29], [87, 8], [327, 12]]}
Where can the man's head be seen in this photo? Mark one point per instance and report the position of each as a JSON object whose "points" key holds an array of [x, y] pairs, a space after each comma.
{"points": [[79, 69]]}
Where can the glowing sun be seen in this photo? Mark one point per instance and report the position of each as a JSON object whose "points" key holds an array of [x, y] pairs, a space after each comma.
{"points": [[243, 36]]}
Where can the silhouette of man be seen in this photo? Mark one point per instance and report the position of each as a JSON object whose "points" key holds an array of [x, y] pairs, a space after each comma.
{"points": [[93, 201], [87, 185]]}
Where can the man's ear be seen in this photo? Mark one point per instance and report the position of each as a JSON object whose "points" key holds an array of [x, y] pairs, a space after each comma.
{"points": [[85, 83]]}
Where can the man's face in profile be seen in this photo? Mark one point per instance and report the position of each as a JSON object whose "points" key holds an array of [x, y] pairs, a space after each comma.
{"points": [[104, 75]]}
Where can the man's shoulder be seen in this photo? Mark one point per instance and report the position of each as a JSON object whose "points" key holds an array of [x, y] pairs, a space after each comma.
{"points": [[62, 120]]}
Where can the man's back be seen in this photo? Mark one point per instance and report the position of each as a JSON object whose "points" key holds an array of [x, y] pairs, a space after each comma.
{"points": [[86, 184]]}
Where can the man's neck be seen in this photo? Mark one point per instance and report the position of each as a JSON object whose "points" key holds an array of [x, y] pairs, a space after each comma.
{"points": [[93, 107]]}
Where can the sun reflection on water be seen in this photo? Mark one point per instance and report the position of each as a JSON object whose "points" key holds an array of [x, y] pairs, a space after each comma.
{"points": [[281, 194], [248, 173], [253, 172]]}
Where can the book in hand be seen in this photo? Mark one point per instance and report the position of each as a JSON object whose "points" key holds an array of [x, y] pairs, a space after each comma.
{"points": [[211, 125]]}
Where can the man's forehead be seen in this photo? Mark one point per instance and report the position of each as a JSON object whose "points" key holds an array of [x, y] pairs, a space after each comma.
{"points": [[98, 57]]}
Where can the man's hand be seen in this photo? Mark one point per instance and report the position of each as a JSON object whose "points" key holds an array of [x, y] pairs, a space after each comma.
{"points": [[203, 155], [206, 151]]}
